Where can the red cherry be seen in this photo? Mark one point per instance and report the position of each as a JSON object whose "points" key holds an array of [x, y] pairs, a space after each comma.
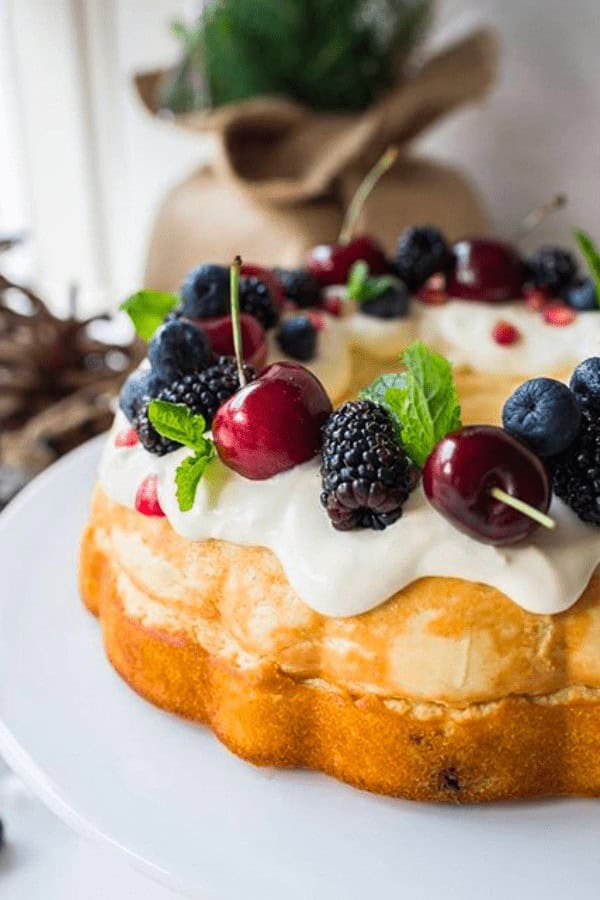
{"points": [[220, 334], [272, 423], [463, 468], [505, 333], [559, 314], [249, 270], [331, 263], [146, 498], [486, 270], [127, 438]]}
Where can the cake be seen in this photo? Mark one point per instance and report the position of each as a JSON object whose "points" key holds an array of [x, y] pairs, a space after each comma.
{"points": [[374, 591]]}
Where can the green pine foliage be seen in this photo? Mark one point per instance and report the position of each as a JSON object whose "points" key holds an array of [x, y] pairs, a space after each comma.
{"points": [[336, 55]]}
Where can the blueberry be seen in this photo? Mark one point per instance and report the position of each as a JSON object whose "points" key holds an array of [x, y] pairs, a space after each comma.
{"points": [[581, 294], [297, 338], [205, 292], [392, 304], [178, 347], [585, 383], [543, 414], [140, 385]]}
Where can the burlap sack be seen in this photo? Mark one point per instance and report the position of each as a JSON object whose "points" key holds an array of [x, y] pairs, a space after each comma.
{"points": [[281, 175]]}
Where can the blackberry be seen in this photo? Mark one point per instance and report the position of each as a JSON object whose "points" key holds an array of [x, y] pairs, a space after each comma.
{"points": [[256, 300], [203, 392], [297, 337], [421, 252], [205, 292], [552, 268], [178, 347], [576, 472], [366, 475], [585, 383], [299, 286], [142, 385]]}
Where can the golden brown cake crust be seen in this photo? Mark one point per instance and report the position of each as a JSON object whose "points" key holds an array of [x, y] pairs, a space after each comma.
{"points": [[280, 685]]}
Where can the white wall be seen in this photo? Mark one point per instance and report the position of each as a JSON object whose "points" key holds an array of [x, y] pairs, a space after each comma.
{"points": [[99, 165]]}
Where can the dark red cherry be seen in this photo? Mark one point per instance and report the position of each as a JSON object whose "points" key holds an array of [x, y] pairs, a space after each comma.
{"points": [[463, 468], [220, 335], [486, 270], [331, 263], [273, 423]]}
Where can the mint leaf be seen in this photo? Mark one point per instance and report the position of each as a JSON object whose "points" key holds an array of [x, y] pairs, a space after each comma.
{"points": [[357, 280], [177, 422], [422, 401], [362, 287], [188, 475], [592, 257], [147, 310]]}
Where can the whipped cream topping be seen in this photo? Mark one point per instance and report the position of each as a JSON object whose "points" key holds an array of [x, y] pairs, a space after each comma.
{"points": [[461, 330], [348, 573]]}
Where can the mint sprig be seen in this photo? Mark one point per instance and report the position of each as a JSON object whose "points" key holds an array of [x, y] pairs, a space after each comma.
{"points": [[361, 286], [421, 401], [147, 310], [592, 257], [177, 422]]}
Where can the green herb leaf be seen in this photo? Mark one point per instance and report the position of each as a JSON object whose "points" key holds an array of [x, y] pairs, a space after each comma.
{"points": [[177, 422], [147, 310], [362, 287], [422, 401], [592, 257], [188, 475]]}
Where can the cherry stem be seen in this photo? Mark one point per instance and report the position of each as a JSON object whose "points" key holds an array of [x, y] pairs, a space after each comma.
{"points": [[363, 190], [536, 216], [522, 507], [234, 302]]}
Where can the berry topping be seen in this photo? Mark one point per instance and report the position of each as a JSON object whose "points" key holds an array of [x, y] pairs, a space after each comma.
{"points": [[202, 392], [205, 292], [392, 303], [486, 270], [576, 472], [337, 305], [536, 298], [366, 474], [127, 438], [543, 414], [178, 347], [146, 498], [558, 314], [273, 423], [331, 263], [465, 469], [585, 383], [581, 295], [256, 300], [220, 334], [433, 292], [141, 386], [505, 333], [300, 286], [297, 338], [421, 252], [552, 268]]}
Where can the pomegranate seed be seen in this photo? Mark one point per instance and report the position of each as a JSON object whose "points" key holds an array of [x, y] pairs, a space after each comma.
{"points": [[333, 304], [433, 292], [316, 318], [536, 299], [558, 314], [127, 438], [289, 306], [505, 333], [146, 499]]}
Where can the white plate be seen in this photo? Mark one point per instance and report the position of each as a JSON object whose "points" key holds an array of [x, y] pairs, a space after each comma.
{"points": [[168, 795]]}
